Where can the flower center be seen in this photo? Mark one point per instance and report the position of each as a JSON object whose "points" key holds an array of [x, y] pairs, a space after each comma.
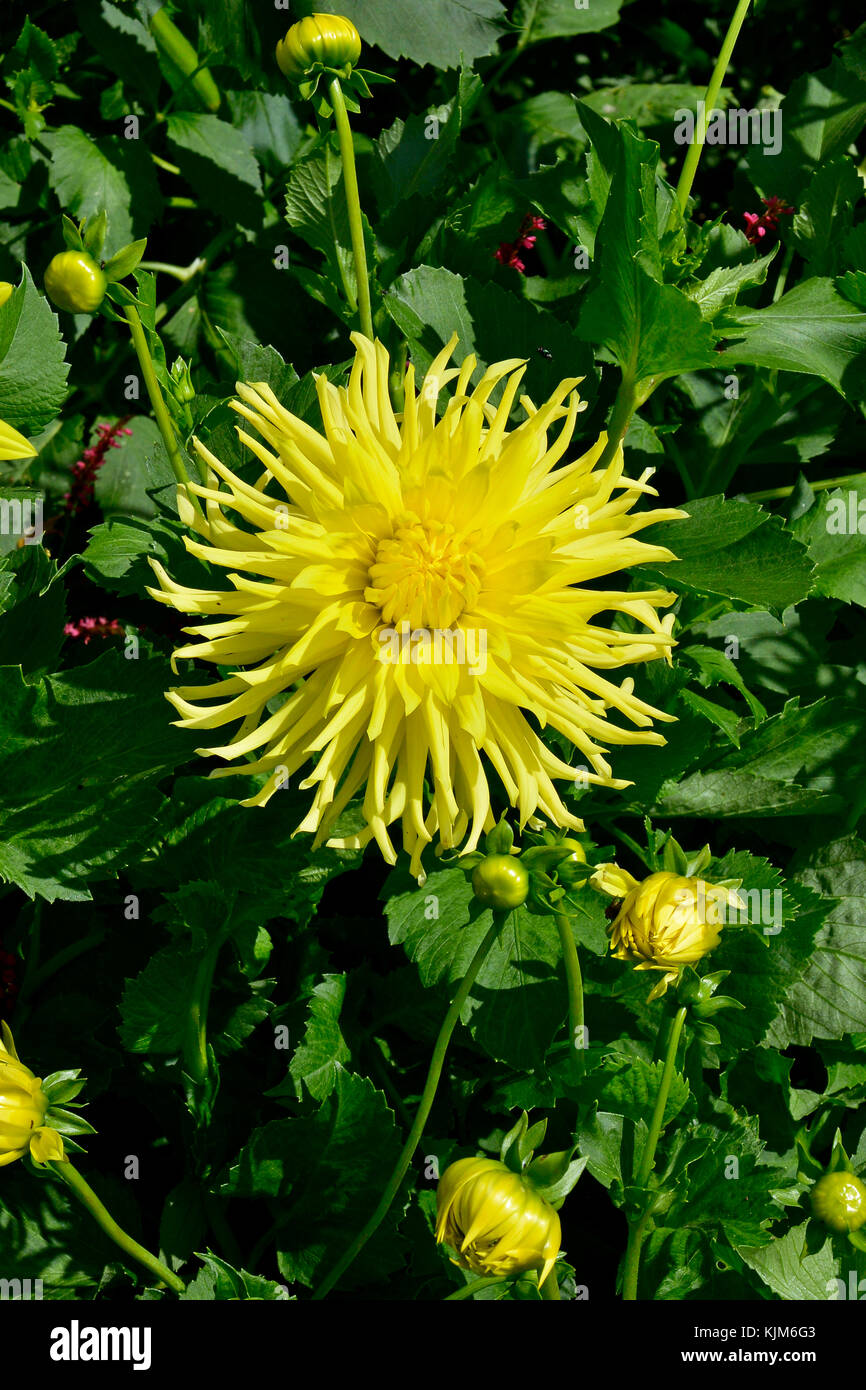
{"points": [[424, 575]]}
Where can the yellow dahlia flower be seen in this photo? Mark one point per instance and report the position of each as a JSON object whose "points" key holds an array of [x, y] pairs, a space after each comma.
{"points": [[23, 1108], [494, 1219], [409, 602], [666, 921]]}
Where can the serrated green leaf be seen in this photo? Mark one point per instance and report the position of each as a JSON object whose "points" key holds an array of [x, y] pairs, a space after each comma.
{"points": [[33, 369]]}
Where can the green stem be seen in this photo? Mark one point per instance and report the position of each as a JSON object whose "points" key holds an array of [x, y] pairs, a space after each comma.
{"points": [[633, 845], [637, 1231], [690, 164], [631, 1263], [425, 1106], [180, 51], [69, 953], [549, 1290], [160, 410], [195, 1043], [179, 272], [773, 494], [353, 203], [103, 1218], [575, 991], [469, 1290], [620, 418]]}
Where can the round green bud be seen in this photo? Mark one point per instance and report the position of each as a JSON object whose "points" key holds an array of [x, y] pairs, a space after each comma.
{"points": [[74, 282]]}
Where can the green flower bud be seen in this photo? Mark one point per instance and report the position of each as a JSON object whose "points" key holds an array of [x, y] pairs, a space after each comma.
{"points": [[321, 42], [839, 1200], [500, 881], [74, 282]]}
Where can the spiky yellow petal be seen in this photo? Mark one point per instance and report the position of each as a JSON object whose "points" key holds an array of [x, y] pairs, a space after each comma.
{"points": [[420, 588]]}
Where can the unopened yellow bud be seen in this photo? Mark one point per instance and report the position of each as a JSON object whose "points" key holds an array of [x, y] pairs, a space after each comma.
{"points": [[667, 921], [495, 1220], [23, 1108]]}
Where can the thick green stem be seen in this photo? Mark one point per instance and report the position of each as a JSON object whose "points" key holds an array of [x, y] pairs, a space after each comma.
{"points": [[353, 203], [160, 410], [711, 96], [631, 1263], [637, 1230], [574, 980], [103, 1218], [181, 52], [426, 1104], [620, 418]]}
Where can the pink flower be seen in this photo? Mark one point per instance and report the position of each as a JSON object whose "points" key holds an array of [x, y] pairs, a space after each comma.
{"points": [[88, 628], [758, 225], [509, 252], [84, 471]]}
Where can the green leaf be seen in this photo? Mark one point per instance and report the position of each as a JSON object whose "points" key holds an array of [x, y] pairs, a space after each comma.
{"points": [[82, 752], [32, 609], [268, 124], [733, 548], [156, 1004], [822, 115], [790, 1271], [33, 369], [830, 998], [518, 1000], [269, 862], [562, 19], [126, 45], [811, 329], [834, 529], [219, 1280], [653, 329], [768, 957], [720, 288], [316, 209], [107, 174], [429, 304], [218, 162], [327, 1172], [256, 364], [447, 35], [810, 746], [718, 1200], [316, 1062], [629, 1086], [138, 463], [825, 215], [116, 556], [414, 157]]}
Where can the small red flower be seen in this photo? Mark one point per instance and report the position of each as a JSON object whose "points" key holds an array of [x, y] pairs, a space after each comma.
{"points": [[509, 252], [85, 470], [758, 225], [88, 628]]}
